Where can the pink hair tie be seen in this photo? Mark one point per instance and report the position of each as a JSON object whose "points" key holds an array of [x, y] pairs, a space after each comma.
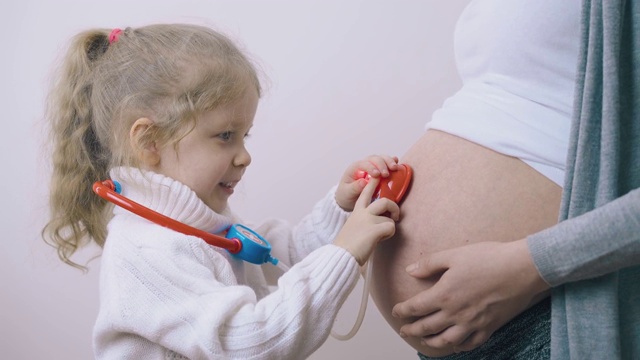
{"points": [[114, 35]]}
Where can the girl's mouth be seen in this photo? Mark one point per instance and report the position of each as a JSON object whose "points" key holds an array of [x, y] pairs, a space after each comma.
{"points": [[228, 186]]}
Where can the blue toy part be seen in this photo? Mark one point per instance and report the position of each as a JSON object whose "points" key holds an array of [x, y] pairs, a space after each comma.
{"points": [[255, 249], [117, 187]]}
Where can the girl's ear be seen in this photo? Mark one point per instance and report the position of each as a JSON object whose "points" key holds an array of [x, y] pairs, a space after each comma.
{"points": [[145, 150]]}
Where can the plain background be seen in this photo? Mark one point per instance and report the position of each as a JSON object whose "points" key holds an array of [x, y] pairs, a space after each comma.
{"points": [[344, 79]]}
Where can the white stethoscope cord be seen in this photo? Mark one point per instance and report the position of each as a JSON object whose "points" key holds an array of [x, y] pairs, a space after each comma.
{"points": [[363, 305]]}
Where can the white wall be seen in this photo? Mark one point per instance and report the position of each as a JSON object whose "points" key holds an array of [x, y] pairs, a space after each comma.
{"points": [[347, 79]]}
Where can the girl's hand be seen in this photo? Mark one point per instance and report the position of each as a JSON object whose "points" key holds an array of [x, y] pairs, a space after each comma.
{"points": [[353, 182], [368, 224], [481, 287]]}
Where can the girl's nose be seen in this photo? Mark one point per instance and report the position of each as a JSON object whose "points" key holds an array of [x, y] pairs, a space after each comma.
{"points": [[243, 158]]}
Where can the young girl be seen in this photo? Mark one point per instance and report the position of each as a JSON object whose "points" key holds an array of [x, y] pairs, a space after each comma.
{"points": [[164, 110]]}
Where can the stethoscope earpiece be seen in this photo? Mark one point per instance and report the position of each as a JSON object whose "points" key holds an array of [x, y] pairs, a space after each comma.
{"points": [[117, 187]]}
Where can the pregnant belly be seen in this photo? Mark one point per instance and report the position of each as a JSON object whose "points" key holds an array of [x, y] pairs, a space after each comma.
{"points": [[461, 193]]}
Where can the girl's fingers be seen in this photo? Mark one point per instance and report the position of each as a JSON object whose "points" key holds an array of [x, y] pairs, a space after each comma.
{"points": [[367, 193], [392, 162], [386, 207], [375, 166], [384, 164], [355, 188]]}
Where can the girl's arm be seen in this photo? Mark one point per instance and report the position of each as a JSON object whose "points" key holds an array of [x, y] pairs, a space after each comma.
{"points": [[193, 305]]}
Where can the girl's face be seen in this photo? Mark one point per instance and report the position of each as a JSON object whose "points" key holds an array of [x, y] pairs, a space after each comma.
{"points": [[212, 158]]}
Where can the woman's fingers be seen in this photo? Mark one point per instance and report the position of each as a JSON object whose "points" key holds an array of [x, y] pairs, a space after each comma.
{"points": [[432, 324], [421, 304], [438, 331], [424, 302]]}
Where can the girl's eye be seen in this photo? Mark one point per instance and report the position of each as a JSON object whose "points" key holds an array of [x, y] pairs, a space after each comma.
{"points": [[226, 136]]}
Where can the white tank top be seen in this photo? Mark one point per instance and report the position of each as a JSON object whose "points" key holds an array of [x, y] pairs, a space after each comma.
{"points": [[517, 60]]}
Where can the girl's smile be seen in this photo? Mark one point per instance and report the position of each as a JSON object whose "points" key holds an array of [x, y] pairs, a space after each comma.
{"points": [[228, 186]]}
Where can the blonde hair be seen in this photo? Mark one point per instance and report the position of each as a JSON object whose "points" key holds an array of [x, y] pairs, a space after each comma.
{"points": [[169, 73]]}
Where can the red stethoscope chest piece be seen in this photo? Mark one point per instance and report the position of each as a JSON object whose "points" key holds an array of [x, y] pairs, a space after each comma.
{"points": [[396, 185]]}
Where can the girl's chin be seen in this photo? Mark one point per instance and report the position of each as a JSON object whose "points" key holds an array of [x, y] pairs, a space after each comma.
{"points": [[219, 204]]}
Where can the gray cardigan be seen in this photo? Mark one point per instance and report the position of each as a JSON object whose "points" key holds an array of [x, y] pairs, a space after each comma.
{"points": [[592, 257]]}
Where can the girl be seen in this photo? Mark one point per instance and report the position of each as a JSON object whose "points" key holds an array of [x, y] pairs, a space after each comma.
{"points": [[164, 110]]}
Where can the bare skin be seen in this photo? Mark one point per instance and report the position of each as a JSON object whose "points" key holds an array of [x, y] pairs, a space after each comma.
{"points": [[462, 193]]}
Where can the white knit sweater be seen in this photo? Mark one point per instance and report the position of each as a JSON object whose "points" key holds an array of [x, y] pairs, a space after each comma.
{"points": [[165, 295]]}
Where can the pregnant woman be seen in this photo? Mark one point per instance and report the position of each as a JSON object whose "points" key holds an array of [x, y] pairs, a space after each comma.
{"points": [[491, 164]]}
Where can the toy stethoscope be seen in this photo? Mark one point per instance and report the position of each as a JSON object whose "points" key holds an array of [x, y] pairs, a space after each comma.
{"points": [[239, 240], [245, 243]]}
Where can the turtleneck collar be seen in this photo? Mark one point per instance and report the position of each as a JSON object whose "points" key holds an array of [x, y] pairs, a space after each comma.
{"points": [[168, 197]]}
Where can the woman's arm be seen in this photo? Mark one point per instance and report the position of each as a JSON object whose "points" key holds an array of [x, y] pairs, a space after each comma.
{"points": [[601, 241]]}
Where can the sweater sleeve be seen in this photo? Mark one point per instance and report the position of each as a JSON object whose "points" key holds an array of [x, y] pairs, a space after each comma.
{"points": [[291, 243], [190, 304], [601, 241]]}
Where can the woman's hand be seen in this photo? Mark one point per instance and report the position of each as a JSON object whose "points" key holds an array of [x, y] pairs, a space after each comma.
{"points": [[480, 288], [369, 223], [353, 181]]}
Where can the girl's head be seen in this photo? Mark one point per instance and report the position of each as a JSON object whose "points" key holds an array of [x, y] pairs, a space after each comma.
{"points": [[147, 99]]}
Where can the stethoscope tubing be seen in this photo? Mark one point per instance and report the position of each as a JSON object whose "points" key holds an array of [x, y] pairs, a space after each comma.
{"points": [[107, 190]]}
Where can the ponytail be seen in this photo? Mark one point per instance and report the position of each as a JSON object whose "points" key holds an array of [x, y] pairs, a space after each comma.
{"points": [[79, 159]]}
